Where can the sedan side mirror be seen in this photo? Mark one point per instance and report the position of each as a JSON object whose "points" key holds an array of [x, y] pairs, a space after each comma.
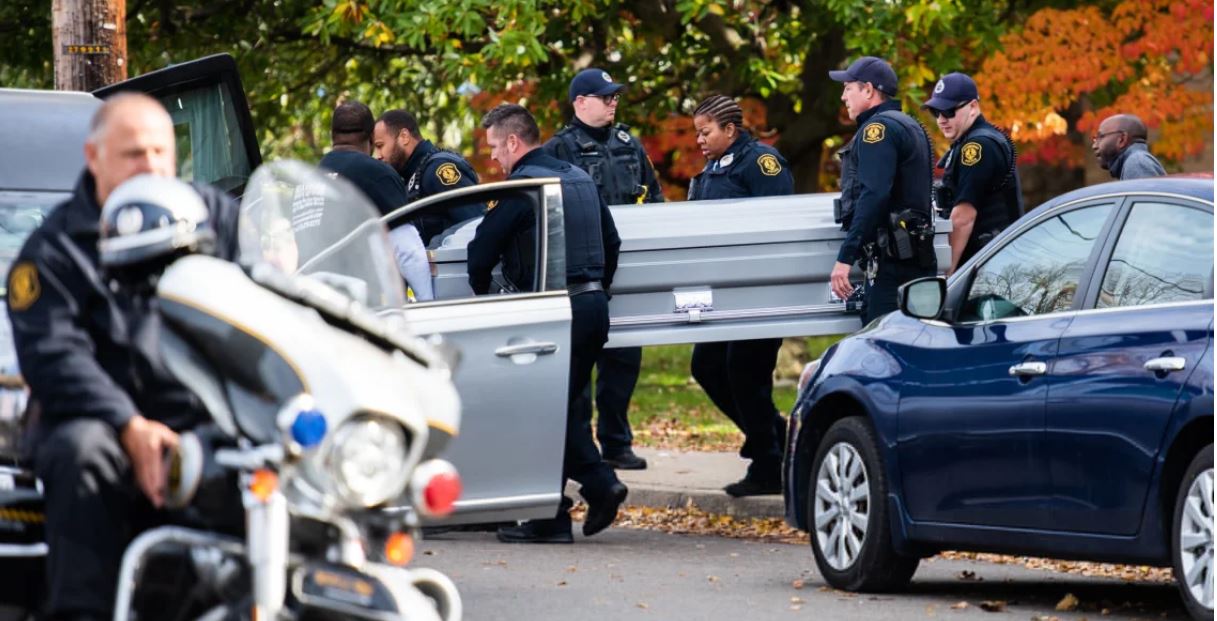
{"points": [[923, 298]]}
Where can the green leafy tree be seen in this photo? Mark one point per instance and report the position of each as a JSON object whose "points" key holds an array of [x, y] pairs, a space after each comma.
{"points": [[449, 59]]}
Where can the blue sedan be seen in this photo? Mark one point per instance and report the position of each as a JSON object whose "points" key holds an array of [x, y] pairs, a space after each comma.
{"points": [[1053, 398]]}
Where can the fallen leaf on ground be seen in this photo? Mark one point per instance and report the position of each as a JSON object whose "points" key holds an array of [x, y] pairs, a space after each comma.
{"points": [[1067, 603], [796, 600], [959, 605], [561, 583], [1045, 618], [643, 605], [993, 605], [798, 584], [712, 578]]}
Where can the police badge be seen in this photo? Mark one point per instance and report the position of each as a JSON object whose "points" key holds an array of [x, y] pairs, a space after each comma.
{"points": [[623, 136], [970, 154], [873, 133], [448, 173], [769, 165]]}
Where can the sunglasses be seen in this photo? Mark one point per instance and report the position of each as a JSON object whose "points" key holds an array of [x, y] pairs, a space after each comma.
{"points": [[948, 114], [607, 99]]}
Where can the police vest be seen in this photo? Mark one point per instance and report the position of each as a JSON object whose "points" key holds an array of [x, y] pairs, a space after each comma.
{"points": [[1002, 201], [581, 222], [912, 187], [615, 166]]}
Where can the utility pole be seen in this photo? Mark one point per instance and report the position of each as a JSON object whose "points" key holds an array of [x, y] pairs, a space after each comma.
{"points": [[90, 40]]}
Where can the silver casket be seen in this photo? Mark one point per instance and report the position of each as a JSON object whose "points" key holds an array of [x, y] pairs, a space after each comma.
{"points": [[719, 270]]}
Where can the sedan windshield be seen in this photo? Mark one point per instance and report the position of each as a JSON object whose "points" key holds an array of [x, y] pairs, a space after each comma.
{"points": [[20, 214]]}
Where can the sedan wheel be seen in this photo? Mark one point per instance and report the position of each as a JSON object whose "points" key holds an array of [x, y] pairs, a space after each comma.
{"points": [[850, 536], [1193, 537], [842, 506]]}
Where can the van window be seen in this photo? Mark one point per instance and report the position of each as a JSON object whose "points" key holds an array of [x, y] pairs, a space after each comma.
{"points": [[210, 148]]}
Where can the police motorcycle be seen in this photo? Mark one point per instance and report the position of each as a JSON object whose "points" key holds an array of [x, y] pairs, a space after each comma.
{"points": [[322, 413]]}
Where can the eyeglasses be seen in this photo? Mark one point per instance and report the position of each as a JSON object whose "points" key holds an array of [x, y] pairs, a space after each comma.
{"points": [[607, 99], [1101, 135], [948, 114]]}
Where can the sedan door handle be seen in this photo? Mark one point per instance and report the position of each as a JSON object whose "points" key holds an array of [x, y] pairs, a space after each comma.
{"points": [[1166, 364], [538, 348], [1028, 369]]}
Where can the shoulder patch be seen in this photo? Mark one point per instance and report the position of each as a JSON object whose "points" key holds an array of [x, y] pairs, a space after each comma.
{"points": [[448, 173], [970, 154], [769, 164], [873, 132], [23, 286]]}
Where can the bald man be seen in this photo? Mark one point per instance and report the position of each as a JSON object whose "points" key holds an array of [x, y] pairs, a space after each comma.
{"points": [[1121, 145], [108, 406]]}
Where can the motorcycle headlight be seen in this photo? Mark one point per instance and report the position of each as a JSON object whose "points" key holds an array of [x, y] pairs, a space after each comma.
{"points": [[366, 460]]}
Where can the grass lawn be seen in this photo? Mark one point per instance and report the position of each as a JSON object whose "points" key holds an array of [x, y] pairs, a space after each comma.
{"points": [[669, 410]]}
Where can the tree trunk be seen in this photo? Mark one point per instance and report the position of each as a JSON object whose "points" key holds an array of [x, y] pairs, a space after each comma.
{"points": [[90, 43]]}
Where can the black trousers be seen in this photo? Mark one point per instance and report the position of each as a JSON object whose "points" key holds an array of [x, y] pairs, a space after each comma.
{"points": [[738, 378], [93, 510], [617, 376], [881, 294], [581, 460]]}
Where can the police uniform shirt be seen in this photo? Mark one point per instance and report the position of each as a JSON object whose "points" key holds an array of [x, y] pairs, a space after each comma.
{"points": [[84, 351], [613, 150], [747, 168], [377, 180], [878, 146], [977, 164], [426, 175]]}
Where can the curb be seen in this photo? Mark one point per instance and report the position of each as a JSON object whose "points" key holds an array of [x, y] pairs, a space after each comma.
{"points": [[717, 503]]}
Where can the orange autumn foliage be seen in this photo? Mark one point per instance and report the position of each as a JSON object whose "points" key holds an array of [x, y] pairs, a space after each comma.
{"points": [[1152, 58]]}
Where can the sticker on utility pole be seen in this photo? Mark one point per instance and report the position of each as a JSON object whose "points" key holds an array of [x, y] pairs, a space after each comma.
{"points": [[86, 50]]}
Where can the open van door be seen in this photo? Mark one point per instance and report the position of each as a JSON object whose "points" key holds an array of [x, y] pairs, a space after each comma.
{"points": [[214, 131]]}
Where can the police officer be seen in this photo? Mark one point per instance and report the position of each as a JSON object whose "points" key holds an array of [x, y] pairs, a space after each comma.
{"points": [[623, 173], [351, 130], [426, 169], [886, 180], [980, 184], [591, 259], [109, 408], [738, 375]]}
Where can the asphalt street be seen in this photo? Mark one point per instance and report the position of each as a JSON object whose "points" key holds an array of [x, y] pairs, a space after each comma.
{"points": [[640, 574]]}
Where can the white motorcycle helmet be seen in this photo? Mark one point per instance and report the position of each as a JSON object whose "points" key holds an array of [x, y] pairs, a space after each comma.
{"points": [[148, 221]]}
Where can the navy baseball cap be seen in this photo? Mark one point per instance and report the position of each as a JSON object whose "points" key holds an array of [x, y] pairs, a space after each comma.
{"points": [[952, 90], [593, 82], [869, 69]]}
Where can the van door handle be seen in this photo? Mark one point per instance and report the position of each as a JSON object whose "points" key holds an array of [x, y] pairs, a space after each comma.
{"points": [[1029, 369], [1166, 364], [537, 348]]}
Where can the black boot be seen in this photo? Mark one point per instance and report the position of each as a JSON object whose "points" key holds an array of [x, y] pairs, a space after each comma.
{"points": [[761, 479], [554, 530], [602, 512], [625, 460]]}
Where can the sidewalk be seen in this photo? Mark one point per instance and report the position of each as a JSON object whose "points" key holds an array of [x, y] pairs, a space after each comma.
{"points": [[676, 479]]}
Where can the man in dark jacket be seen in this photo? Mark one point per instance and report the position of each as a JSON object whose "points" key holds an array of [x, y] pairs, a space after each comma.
{"points": [[109, 407], [623, 173], [426, 169], [507, 234]]}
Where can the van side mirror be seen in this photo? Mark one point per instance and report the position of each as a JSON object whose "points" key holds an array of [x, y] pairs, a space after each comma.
{"points": [[923, 298]]}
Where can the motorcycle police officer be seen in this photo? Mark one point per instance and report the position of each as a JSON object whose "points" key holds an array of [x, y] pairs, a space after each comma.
{"points": [[623, 173], [108, 406], [886, 181], [980, 185], [507, 234], [426, 169]]}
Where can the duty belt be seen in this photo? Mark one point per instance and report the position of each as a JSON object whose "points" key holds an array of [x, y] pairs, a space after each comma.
{"points": [[584, 287]]}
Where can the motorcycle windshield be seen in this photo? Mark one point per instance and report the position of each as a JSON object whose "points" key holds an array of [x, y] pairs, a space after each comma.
{"points": [[301, 220]]}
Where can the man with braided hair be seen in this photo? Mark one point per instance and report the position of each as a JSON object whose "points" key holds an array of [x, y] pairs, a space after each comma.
{"points": [[980, 184], [738, 375], [886, 180]]}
